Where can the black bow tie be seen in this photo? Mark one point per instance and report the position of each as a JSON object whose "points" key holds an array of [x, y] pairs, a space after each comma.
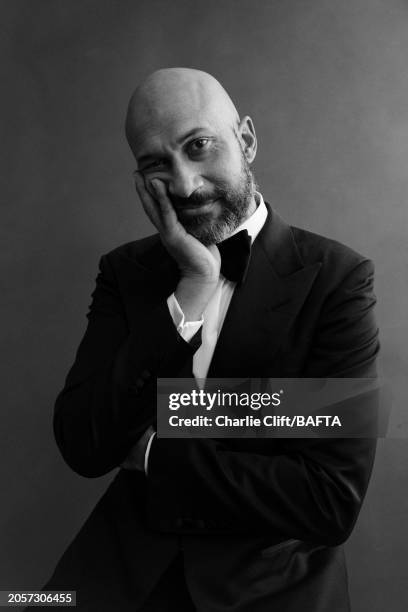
{"points": [[235, 254]]}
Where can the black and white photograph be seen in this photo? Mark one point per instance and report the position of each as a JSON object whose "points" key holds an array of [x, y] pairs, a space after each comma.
{"points": [[204, 225]]}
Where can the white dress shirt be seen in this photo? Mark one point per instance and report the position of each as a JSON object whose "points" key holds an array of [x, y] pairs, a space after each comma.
{"points": [[214, 314]]}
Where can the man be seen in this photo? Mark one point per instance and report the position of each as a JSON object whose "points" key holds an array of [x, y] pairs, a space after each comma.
{"points": [[204, 524]]}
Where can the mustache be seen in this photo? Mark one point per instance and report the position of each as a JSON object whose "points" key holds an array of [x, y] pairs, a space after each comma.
{"points": [[195, 199]]}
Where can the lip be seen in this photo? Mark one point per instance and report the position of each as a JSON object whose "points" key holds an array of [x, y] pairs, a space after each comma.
{"points": [[197, 209]]}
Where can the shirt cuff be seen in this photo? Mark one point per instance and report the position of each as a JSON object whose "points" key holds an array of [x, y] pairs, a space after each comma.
{"points": [[146, 458], [186, 329]]}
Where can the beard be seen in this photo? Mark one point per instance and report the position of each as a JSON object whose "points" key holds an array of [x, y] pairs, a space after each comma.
{"points": [[234, 200]]}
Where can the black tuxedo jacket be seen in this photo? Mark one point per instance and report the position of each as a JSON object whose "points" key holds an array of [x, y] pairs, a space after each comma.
{"points": [[260, 522]]}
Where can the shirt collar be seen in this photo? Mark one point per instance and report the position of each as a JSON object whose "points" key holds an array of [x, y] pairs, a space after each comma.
{"points": [[256, 221]]}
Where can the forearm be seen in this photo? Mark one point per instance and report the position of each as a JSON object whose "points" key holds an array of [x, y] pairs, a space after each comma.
{"points": [[103, 410], [313, 493]]}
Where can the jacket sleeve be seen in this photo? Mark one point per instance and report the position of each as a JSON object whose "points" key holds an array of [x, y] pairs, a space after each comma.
{"points": [[109, 395], [313, 489]]}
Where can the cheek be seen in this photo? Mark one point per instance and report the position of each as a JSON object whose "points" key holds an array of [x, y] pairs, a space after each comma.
{"points": [[224, 167]]}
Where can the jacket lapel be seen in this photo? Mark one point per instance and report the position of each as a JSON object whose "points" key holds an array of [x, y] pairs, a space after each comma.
{"points": [[264, 308]]}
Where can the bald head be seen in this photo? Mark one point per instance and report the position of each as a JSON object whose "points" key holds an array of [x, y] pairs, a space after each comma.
{"points": [[173, 95]]}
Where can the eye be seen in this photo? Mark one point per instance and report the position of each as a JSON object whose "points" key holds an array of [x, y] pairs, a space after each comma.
{"points": [[200, 145], [154, 165]]}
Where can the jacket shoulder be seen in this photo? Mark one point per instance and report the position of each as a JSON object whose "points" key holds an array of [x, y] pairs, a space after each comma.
{"points": [[334, 255], [138, 251]]}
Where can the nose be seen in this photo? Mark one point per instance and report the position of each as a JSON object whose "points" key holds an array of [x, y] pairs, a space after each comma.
{"points": [[184, 180]]}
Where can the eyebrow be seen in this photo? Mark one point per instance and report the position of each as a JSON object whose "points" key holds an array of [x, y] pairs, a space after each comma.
{"points": [[186, 136], [190, 133]]}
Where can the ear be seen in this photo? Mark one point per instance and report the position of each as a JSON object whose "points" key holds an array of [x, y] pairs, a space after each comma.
{"points": [[247, 137]]}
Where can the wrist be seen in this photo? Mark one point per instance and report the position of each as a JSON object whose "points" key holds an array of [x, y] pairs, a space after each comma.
{"points": [[193, 295]]}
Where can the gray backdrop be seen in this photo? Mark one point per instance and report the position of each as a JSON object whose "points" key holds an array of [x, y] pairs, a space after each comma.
{"points": [[326, 83]]}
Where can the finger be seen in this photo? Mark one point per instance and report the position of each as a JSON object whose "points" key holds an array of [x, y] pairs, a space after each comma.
{"points": [[168, 214], [150, 206]]}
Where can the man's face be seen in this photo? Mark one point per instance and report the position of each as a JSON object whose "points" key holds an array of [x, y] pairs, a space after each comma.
{"points": [[201, 162]]}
